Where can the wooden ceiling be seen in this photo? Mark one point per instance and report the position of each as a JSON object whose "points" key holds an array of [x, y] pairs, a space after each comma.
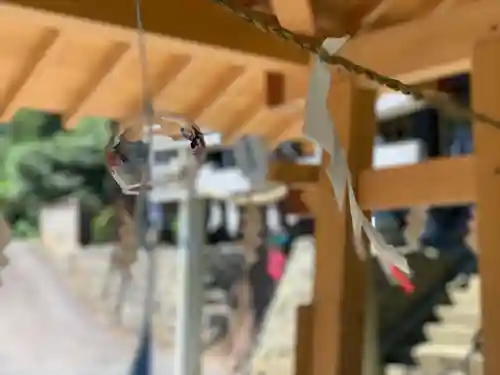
{"points": [[340, 17], [80, 58], [79, 68], [411, 40]]}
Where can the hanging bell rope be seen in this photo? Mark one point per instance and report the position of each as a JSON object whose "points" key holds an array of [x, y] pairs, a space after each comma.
{"points": [[130, 155], [144, 210], [5, 237], [123, 256], [314, 45], [252, 228]]}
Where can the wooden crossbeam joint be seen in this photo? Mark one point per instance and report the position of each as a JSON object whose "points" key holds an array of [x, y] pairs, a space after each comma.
{"points": [[290, 173]]}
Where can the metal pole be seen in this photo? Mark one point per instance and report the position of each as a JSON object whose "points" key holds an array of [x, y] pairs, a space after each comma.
{"points": [[188, 348]]}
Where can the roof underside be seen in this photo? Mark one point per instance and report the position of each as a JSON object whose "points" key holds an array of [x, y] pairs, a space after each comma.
{"points": [[339, 17], [78, 58], [78, 68]]}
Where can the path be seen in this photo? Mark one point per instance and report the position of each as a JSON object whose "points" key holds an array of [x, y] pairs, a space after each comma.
{"points": [[45, 331]]}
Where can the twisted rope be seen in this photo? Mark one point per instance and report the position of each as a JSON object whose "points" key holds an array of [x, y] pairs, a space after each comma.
{"points": [[147, 215], [313, 45], [5, 236]]}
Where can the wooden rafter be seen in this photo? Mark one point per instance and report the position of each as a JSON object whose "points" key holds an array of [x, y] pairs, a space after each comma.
{"points": [[221, 80], [197, 27], [299, 17], [21, 75], [118, 94], [390, 12], [426, 48], [65, 74], [292, 131], [110, 58], [198, 86], [239, 101], [369, 21]]}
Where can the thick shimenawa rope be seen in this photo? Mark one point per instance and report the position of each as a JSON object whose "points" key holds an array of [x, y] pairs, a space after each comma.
{"points": [[436, 99]]}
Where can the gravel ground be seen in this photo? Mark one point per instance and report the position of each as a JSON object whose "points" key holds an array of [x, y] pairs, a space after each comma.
{"points": [[44, 330]]}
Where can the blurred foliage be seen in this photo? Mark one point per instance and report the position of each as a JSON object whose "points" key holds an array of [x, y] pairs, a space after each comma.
{"points": [[43, 163]]}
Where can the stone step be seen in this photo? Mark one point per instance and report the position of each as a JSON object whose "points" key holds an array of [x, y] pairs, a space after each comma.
{"points": [[466, 297], [443, 359], [455, 315], [273, 365], [449, 334], [470, 308], [469, 295], [474, 283], [396, 369], [476, 364]]}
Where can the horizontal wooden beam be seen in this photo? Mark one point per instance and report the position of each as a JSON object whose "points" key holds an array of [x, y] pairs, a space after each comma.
{"points": [[199, 27], [426, 48], [443, 181], [293, 174]]}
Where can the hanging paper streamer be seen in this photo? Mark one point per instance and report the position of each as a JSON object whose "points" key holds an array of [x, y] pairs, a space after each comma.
{"points": [[319, 127], [402, 280]]}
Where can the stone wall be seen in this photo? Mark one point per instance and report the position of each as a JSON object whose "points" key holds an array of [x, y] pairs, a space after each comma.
{"points": [[59, 226], [88, 275]]}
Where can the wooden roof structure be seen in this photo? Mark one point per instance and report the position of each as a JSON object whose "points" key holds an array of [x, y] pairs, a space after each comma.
{"points": [[79, 58], [223, 79]]}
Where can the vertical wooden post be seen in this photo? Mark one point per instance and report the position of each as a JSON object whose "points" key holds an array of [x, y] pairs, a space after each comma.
{"points": [[303, 343], [341, 277], [486, 99]]}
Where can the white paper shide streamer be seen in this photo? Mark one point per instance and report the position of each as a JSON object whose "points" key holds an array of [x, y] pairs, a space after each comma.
{"points": [[319, 127]]}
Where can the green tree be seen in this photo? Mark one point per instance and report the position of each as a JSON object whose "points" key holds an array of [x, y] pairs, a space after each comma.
{"points": [[42, 163], [32, 125]]}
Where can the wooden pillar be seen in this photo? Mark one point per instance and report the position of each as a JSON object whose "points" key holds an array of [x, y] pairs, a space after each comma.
{"points": [[371, 362], [303, 343], [486, 98], [341, 277]]}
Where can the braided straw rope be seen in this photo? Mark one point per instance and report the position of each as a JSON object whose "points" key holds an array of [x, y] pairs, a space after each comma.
{"points": [[436, 99]]}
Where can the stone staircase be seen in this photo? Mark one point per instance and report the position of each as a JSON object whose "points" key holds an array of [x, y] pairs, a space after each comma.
{"points": [[275, 346], [449, 340], [274, 352]]}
